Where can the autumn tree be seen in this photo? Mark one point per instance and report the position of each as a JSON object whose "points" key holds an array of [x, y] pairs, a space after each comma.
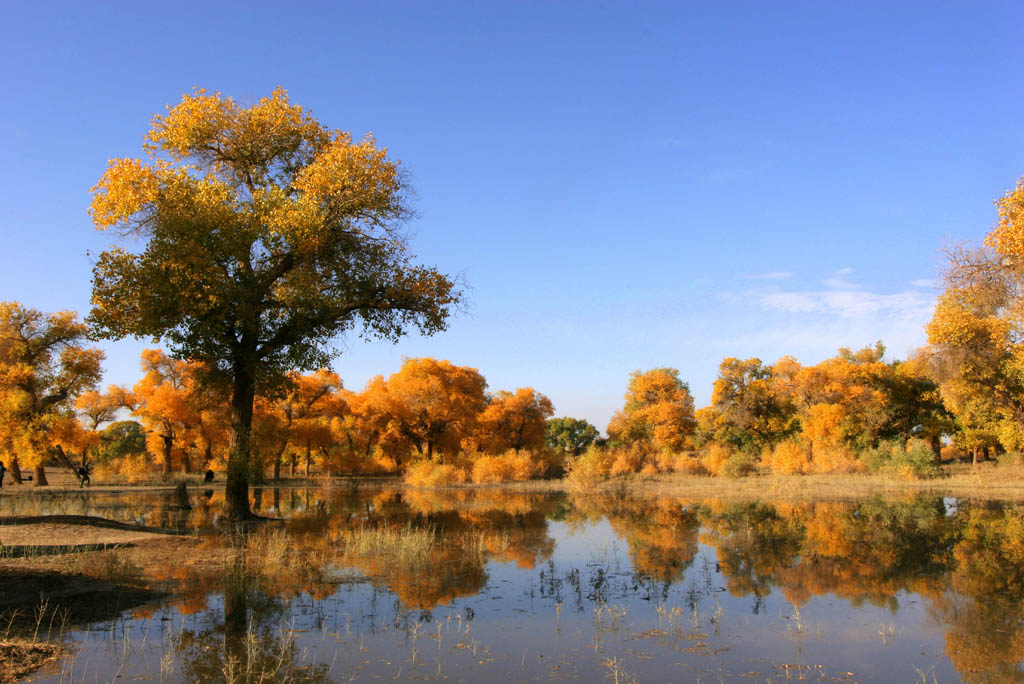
{"points": [[749, 411], [44, 367], [570, 435], [265, 235], [658, 413], [313, 402], [120, 439], [434, 405], [96, 409], [975, 335], [514, 420], [368, 428], [163, 403]]}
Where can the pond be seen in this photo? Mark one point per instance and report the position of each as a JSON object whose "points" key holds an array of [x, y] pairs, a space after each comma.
{"points": [[370, 584]]}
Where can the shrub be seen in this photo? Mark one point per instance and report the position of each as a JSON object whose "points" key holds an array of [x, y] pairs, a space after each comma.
{"points": [[626, 460], [739, 464], [877, 458], [665, 461], [589, 468], [689, 463], [789, 458], [915, 461], [834, 459], [512, 466], [649, 469], [714, 458], [433, 474], [952, 453]]}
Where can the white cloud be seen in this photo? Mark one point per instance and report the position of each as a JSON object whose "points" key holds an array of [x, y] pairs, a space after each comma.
{"points": [[812, 323], [849, 303], [836, 281], [924, 282]]}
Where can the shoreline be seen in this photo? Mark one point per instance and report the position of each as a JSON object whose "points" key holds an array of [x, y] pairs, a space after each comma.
{"points": [[988, 480]]}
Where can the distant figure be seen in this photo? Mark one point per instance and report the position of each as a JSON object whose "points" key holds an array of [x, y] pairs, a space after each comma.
{"points": [[3, 471], [83, 476], [209, 476]]}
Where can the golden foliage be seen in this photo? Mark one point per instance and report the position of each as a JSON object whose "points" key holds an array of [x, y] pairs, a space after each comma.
{"points": [[658, 413], [714, 457], [513, 420], [431, 474], [44, 367], [789, 457]]}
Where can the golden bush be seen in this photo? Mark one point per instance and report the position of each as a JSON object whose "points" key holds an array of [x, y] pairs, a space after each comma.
{"points": [[590, 468], [688, 464], [836, 459], [431, 474], [788, 458], [626, 461], [714, 457]]}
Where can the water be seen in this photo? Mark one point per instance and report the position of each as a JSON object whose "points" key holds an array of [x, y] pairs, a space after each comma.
{"points": [[490, 585]]}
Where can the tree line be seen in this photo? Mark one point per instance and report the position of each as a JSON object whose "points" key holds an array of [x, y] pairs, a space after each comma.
{"points": [[176, 418]]}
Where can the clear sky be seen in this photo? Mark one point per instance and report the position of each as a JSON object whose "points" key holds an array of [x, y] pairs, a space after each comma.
{"points": [[624, 185]]}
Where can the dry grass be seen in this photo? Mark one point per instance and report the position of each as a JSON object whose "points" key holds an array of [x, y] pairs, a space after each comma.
{"points": [[984, 481], [21, 657]]}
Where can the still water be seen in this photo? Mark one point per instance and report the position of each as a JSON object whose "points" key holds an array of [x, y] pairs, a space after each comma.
{"points": [[375, 584]]}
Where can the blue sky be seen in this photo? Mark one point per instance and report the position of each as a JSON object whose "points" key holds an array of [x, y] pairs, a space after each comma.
{"points": [[624, 185]]}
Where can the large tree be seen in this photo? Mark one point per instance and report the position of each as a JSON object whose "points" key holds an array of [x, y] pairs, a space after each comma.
{"points": [[976, 334], [261, 236]]}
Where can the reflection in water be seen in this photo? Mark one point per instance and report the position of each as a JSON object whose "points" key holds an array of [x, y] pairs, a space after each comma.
{"points": [[532, 587]]}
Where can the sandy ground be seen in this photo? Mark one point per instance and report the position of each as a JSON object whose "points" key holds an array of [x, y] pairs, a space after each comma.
{"points": [[51, 534]]}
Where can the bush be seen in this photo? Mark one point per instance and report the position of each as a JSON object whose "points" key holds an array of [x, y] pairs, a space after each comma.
{"points": [[740, 464], [589, 468], [789, 458], [433, 474], [915, 461], [876, 459], [714, 458], [626, 460], [834, 459], [952, 453], [689, 463], [512, 466]]}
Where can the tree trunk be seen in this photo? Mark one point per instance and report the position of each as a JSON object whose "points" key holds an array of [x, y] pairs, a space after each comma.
{"points": [[41, 476], [308, 459], [186, 463], [168, 446], [236, 490], [277, 468], [291, 464], [16, 470], [936, 444], [974, 456]]}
